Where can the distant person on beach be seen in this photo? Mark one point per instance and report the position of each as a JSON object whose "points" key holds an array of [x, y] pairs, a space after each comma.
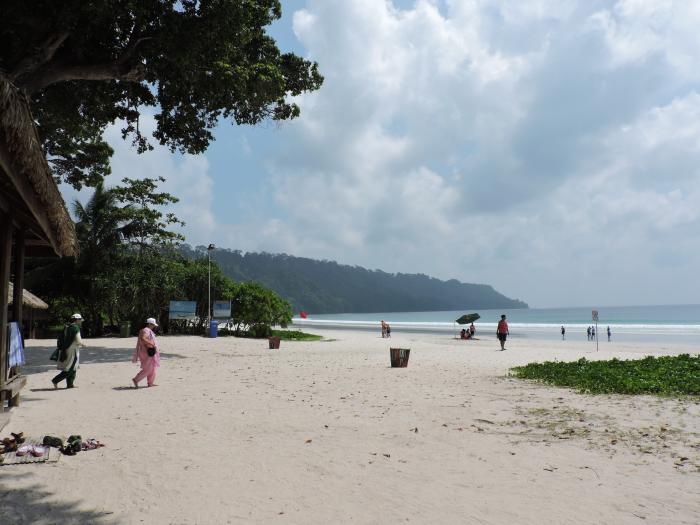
{"points": [[148, 353], [383, 329], [502, 331], [563, 333], [592, 333], [465, 334], [588, 333], [69, 352], [472, 329], [609, 333], [388, 330]]}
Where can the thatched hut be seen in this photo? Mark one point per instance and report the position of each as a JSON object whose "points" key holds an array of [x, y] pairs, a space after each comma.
{"points": [[33, 216]]}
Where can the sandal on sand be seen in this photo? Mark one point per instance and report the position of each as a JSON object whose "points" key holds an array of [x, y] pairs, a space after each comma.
{"points": [[38, 451], [10, 444]]}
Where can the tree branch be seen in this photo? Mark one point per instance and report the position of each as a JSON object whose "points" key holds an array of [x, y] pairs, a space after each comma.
{"points": [[42, 55], [116, 70]]}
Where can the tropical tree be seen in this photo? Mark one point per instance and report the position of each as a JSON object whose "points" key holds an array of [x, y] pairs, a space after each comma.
{"points": [[190, 63], [100, 231], [256, 309], [147, 225]]}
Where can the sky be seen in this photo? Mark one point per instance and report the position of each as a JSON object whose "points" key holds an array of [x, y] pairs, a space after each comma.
{"points": [[549, 148]]}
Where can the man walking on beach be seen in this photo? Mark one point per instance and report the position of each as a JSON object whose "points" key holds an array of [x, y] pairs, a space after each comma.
{"points": [[563, 333], [69, 352], [588, 333], [502, 332], [609, 334]]}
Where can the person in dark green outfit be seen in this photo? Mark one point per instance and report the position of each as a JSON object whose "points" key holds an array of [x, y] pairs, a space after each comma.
{"points": [[69, 358]]}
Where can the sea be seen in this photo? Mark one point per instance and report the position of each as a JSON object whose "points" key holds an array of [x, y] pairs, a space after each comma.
{"points": [[664, 323]]}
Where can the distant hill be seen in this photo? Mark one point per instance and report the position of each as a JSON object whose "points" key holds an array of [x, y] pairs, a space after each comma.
{"points": [[324, 287]]}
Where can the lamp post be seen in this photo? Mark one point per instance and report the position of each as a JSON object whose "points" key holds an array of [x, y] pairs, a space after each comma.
{"points": [[209, 250]]}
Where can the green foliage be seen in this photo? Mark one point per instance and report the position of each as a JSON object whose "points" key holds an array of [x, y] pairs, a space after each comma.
{"points": [[256, 309], [667, 375], [296, 335], [85, 65], [146, 226], [329, 287], [129, 269]]}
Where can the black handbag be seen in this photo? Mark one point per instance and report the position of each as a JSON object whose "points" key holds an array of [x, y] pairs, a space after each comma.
{"points": [[151, 351]]}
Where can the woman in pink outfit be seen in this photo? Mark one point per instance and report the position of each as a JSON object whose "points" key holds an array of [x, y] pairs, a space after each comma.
{"points": [[146, 344]]}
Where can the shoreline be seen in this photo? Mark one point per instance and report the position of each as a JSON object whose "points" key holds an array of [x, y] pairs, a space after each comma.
{"points": [[326, 432]]}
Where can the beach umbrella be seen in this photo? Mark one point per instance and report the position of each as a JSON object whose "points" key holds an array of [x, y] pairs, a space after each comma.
{"points": [[467, 318]]}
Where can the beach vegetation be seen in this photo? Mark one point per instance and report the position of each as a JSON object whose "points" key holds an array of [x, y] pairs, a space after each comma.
{"points": [[284, 335], [664, 375], [129, 268], [185, 64]]}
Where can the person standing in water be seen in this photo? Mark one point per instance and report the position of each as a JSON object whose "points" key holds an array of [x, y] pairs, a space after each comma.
{"points": [[609, 334], [563, 333], [148, 353], [502, 332], [69, 354]]}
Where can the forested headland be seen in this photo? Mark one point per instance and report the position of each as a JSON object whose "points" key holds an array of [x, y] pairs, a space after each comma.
{"points": [[328, 287]]}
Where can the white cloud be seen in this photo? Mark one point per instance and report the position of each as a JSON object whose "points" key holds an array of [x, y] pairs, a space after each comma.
{"points": [[549, 148]]}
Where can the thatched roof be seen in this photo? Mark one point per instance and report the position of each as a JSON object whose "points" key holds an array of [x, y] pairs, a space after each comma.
{"points": [[28, 299], [19, 137]]}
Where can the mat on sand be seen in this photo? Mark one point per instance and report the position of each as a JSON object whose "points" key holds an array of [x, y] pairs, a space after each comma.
{"points": [[51, 455]]}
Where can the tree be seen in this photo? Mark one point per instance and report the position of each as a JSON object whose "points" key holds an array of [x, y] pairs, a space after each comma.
{"points": [[85, 65], [256, 309], [147, 225], [99, 229]]}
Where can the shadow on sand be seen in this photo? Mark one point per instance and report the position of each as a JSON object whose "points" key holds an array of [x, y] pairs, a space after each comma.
{"points": [[38, 361], [37, 504]]}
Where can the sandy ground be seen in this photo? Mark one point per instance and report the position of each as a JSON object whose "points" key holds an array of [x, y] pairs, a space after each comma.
{"points": [[326, 432]]}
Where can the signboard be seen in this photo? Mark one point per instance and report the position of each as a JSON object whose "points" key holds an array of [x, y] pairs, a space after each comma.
{"points": [[594, 313], [183, 310], [222, 309]]}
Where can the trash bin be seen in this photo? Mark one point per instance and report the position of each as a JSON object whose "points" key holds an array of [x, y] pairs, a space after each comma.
{"points": [[213, 328], [125, 329], [274, 342], [399, 357]]}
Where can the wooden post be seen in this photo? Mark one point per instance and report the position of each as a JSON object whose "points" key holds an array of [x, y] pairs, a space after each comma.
{"points": [[5, 254], [18, 298]]}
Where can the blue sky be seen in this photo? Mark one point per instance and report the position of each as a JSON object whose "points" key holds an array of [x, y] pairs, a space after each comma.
{"points": [[548, 148]]}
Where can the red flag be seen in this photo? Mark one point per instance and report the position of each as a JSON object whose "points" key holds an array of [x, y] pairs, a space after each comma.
{"points": [[302, 314]]}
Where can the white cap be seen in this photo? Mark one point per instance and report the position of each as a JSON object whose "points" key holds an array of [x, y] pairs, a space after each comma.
{"points": [[151, 320], [76, 317]]}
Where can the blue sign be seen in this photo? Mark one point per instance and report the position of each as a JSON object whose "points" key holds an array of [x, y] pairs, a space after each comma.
{"points": [[183, 310], [222, 309]]}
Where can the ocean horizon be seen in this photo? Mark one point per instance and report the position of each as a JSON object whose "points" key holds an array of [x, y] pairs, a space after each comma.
{"points": [[670, 323]]}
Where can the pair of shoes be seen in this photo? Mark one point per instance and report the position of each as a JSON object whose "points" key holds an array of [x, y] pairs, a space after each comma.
{"points": [[35, 451], [19, 437], [92, 444]]}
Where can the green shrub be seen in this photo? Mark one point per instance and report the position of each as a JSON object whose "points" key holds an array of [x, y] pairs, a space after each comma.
{"points": [[666, 375]]}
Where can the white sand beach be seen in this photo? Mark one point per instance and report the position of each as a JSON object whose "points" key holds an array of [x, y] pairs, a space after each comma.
{"points": [[326, 432]]}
